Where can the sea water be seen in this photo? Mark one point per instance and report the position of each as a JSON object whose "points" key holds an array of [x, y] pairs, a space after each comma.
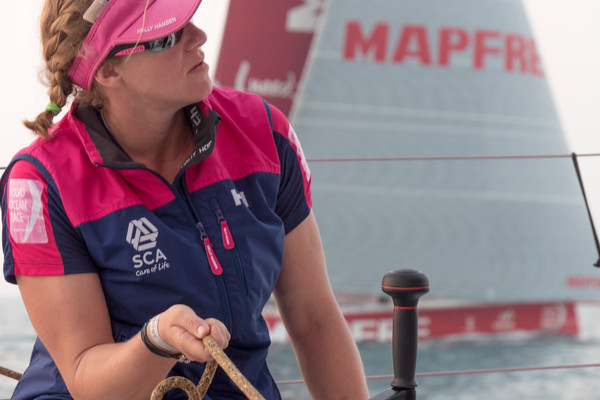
{"points": [[17, 336]]}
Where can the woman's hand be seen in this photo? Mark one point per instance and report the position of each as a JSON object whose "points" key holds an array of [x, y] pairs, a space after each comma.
{"points": [[70, 316], [180, 327]]}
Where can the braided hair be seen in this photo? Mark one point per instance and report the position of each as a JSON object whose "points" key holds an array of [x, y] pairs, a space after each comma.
{"points": [[63, 31]]}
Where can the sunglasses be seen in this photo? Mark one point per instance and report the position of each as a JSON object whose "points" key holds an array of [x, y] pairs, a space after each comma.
{"points": [[154, 45]]}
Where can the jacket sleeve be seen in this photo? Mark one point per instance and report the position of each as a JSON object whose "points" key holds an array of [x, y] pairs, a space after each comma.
{"points": [[294, 200], [38, 238]]}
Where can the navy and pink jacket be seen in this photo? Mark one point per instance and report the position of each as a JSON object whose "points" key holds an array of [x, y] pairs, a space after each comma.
{"points": [[212, 240]]}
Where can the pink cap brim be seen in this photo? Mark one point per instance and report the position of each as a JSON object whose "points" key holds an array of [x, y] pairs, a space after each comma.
{"points": [[123, 22]]}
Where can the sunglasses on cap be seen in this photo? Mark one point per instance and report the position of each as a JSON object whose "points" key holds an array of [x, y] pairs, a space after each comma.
{"points": [[154, 45]]}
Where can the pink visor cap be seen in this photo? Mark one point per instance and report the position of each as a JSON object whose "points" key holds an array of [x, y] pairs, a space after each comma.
{"points": [[125, 22]]}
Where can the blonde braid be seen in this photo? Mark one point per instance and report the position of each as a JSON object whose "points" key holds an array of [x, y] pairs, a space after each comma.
{"points": [[63, 31]]}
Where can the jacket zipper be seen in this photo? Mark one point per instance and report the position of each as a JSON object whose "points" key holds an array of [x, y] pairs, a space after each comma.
{"points": [[211, 257], [229, 243], [225, 231]]}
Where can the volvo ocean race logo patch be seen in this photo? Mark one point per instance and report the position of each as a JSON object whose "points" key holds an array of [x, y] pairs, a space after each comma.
{"points": [[26, 211], [142, 235]]}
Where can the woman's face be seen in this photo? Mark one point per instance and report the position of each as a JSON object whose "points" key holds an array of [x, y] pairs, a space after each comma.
{"points": [[174, 77]]}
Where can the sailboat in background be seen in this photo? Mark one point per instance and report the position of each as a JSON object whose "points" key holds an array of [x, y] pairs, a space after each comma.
{"points": [[434, 143]]}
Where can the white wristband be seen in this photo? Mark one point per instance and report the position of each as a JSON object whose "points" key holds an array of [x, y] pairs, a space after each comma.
{"points": [[153, 327]]}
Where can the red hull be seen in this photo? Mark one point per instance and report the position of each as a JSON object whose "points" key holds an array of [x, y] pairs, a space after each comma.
{"points": [[459, 321]]}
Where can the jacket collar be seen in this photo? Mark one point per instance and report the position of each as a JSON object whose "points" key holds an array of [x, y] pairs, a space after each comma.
{"points": [[104, 150]]}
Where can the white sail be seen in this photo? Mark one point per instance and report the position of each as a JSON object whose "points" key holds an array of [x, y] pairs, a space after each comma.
{"points": [[427, 79]]}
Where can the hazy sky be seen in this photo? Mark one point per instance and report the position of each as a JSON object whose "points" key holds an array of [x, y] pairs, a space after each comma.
{"points": [[567, 34]]}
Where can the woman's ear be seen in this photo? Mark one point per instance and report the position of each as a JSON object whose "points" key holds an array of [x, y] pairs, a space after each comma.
{"points": [[108, 74]]}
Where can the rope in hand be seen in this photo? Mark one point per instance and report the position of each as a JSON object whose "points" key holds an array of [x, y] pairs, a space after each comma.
{"points": [[197, 392], [194, 392]]}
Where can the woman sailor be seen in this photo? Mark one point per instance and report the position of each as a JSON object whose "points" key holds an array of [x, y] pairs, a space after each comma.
{"points": [[157, 195]]}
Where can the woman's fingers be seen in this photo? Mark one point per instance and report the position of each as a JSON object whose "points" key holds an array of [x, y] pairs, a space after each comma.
{"points": [[184, 330], [219, 332]]}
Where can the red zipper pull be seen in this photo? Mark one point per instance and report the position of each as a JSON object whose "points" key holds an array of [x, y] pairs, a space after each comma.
{"points": [[213, 261], [227, 238], [215, 265], [225, 232]]}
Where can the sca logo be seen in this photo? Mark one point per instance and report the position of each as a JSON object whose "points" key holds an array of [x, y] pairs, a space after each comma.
{"points": [[142, 236]]}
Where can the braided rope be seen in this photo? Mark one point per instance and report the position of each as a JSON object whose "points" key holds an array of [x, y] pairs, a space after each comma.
{"points": [[197, 392], [178, 382], [207, 377], [10, 373]]}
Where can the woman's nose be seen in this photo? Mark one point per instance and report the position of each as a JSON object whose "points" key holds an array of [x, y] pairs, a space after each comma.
{"points": [[196, 37]]}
